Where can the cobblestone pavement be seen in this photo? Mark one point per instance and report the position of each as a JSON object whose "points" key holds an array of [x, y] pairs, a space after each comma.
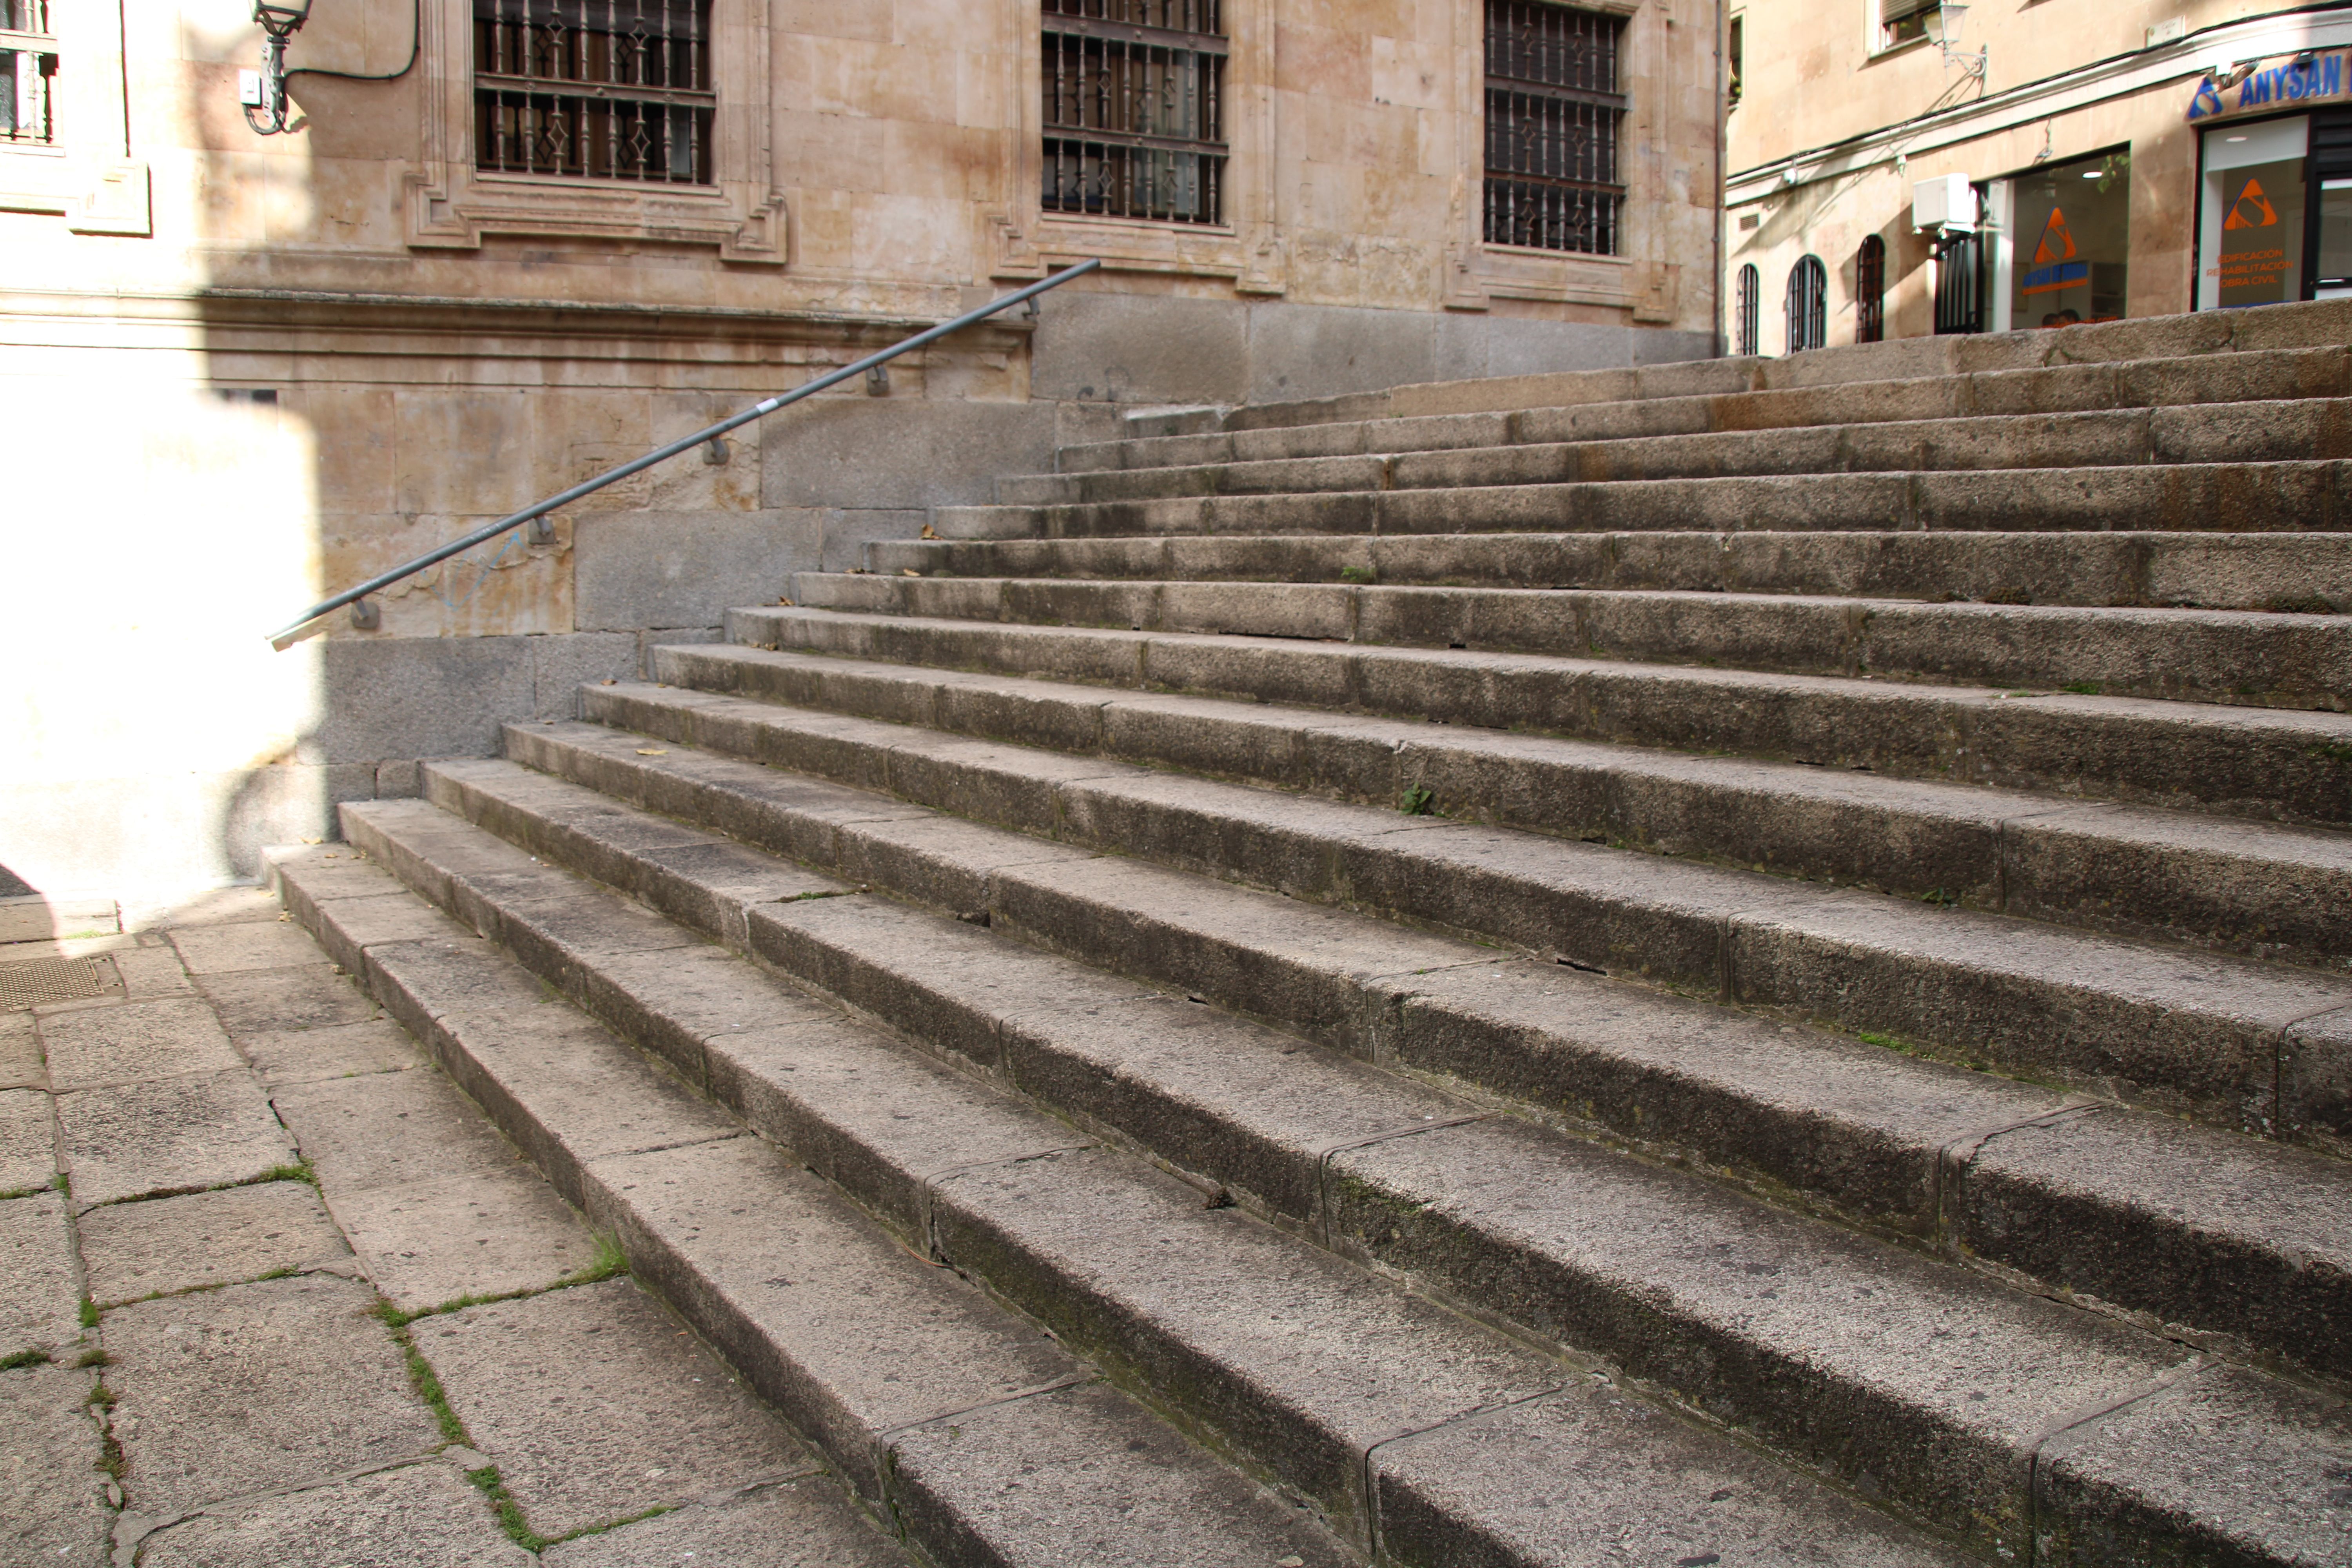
{"points": [[273, 1292]]}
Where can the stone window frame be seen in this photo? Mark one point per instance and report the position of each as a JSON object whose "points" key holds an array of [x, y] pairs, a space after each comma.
{"points": [[1477, 272], [84, 173], [1027, 241], [448, 204]]}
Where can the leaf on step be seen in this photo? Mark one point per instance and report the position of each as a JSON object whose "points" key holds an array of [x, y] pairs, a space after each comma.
{"points": [[785, 602], [930, 532], [909, 572], [653, 751]]}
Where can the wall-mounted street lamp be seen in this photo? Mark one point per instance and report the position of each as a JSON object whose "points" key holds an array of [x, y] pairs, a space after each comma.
{"points": [[1944, 27], [263, 92]]}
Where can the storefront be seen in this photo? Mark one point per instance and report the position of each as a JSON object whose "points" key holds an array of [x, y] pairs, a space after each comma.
{"points": [[2274, 193], [2209, 169]]}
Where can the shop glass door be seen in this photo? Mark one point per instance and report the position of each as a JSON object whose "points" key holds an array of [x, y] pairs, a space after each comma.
{"points": [[2064, 243], [2250, 227]]}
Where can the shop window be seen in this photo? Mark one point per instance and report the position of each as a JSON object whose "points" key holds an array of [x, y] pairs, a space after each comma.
{"points": [[1553, 115], [599, 90], [2250, 242], [1808, 305], [1748, 301], [1870, 290], [1904, 21], [28, 66], [1135, 109], [2331, 170]]}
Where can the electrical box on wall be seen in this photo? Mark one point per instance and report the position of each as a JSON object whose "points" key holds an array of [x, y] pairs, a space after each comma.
{"points": [[1947, 201]]}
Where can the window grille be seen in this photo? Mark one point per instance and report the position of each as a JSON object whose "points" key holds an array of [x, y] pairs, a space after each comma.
{"points": [[1748, 302], [28, 70], [1552, 113], [1809, 298], [1870, 290], [1135, 109], [599, 90]]}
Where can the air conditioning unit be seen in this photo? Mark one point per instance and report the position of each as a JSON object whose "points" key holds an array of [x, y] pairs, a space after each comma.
{"points": [[1947, 201]]}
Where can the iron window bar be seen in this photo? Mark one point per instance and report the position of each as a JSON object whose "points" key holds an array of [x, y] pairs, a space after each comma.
{"points": [[1134, 108], [608, 90], [1553, 112], [301, 627], [28, 69]]}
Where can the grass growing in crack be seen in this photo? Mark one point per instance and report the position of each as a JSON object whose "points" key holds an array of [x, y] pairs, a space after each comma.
{"points": [[300, 1171], [1418, 801], [94, 1356], [23, 1359], [89, 1313], [511, 1519], [101, 1404], [421, 1375], [609, 1261]]}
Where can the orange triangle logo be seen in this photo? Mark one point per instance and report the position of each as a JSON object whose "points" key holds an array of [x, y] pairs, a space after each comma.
{"points": [[2251, 209], [2057, 244]]}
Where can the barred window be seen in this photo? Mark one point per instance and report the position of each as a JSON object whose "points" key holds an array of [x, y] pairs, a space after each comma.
{"points": [[1135, 109], [602, 89], [1552, 112], [28, 66], [1808, 305], [1747, 306], [1870, 290]]}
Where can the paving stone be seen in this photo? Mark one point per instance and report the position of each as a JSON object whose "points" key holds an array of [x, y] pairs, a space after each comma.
{"points": [[223, 948], [52, 1493], [153, 971], [133, 1042], [801, 1523], [224, 906], [418, 1516], [481, 1233], [37, 1304], [227, 1392], [129, 1250], [20, 1053], [301, 997], [205, 1129], [596, 1405], [342, 1050], [388, 1130], [28, 1144]]}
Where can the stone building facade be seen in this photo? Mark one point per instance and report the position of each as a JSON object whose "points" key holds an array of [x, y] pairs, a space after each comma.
{"points": [[2087, 159], [503, 244]]}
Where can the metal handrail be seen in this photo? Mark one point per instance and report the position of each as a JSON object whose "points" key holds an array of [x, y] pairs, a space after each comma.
{"points": [[292, 633]]}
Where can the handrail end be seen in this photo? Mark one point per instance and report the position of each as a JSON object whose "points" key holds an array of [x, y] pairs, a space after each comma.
{"points": [[300, 631]]}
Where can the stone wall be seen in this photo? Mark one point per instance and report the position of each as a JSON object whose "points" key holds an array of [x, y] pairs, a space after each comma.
{"points": [[325, 351]]}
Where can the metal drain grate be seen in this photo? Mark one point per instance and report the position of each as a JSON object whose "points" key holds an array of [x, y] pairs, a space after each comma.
{"points": [[37, 982]]}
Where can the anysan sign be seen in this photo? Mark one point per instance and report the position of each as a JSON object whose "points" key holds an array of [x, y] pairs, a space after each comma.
{"points": [[2270, 88]]}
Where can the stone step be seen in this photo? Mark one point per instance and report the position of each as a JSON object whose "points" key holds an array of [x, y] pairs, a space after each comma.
{"points": [[2250, 659], [1350, 1392], [2119, 1207], [1865, 1358], [2185, 498], [2168, 384], [2261, 889], [976, 1434], [2306, 572], [2282, 431], [2264, 763], [2221, 334], [2186, 1032]]}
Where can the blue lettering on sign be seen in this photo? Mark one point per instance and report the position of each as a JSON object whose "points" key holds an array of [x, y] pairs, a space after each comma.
{"points": [[2044, 278], [2319, 76]]}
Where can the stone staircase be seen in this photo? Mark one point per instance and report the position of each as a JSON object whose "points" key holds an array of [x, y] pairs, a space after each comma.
{"points": [[1736, 963]]}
